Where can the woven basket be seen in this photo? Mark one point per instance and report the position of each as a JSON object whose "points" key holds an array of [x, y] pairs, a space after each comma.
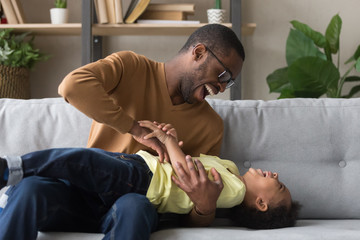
{"points": [[14, 82]]}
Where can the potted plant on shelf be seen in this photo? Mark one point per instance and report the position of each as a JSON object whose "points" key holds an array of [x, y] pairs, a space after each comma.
{"points": [[59, 14], [311, 72], [216, 14], [17, 57]]}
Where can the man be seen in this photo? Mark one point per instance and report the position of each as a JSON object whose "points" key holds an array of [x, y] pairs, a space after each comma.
{"points": [[117, 92]]}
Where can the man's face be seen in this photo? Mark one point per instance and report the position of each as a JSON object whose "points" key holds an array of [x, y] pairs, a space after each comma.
{"points": [[202, 80], [266, 185]]}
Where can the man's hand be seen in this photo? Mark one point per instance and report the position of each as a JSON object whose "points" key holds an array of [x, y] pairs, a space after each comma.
{"points": [[201, 190], [139, 134]]}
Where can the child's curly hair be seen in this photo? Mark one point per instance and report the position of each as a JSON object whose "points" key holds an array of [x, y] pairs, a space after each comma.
{"points": [[274, 217]]}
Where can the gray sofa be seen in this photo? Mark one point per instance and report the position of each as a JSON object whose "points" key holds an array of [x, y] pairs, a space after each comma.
{"points": [[314, 144]]}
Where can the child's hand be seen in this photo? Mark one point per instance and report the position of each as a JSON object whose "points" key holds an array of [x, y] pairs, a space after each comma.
{"points": [[169, 130], [157, 131], [138, 133]]}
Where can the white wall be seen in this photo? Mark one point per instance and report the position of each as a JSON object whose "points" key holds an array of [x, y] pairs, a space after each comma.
{"points": [[265, 50], [65, 51]]}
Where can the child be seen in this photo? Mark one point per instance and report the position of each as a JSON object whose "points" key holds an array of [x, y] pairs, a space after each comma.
{"points": [[258, 199]]}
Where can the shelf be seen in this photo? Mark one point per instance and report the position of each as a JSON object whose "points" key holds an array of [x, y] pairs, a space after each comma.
{"points": [[46, 28], [157, 29], [248, 29], [117, 29]]}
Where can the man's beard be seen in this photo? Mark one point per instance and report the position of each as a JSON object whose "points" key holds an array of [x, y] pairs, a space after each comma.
{"points": [[188, 82]]}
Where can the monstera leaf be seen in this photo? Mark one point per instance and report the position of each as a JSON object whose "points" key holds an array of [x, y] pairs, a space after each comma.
{"points": [[310, 72]]}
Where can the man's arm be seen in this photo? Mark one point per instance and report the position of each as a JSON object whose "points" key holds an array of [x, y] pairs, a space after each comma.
{"points": [[192, 178], [88, 89]]}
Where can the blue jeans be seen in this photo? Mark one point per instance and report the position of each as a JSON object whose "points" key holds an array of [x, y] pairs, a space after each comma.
{"points": [[92, 191]]}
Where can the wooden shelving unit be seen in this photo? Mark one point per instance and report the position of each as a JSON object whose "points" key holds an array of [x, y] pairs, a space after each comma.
{"points": [[91, 33], [46, 28], [156, 29], [117, 29]]}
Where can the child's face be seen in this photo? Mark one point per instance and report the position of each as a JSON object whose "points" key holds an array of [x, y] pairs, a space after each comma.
{"points": [[264, 187]]}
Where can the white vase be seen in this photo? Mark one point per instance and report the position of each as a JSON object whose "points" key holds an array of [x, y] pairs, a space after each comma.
{"points": [[216, 15], [59, 15]]}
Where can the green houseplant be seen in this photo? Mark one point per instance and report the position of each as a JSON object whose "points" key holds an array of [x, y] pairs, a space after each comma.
{"points": [[216, 14], [311, 71], [17, 50], [217, 4], [60, 3], [17, 56]]}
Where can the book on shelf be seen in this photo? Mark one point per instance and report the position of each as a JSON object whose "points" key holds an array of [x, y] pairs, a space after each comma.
{"points": [[9, 12], [118, 11], [149, 21], [136, 8], [110, 10], [19, 12], [101, 12], [125, 7], [164, 15], [128, 11], [184, 7], [168, 11]]}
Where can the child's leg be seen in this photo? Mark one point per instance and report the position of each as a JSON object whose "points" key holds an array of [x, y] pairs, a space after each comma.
{"points": [[93, 170]]}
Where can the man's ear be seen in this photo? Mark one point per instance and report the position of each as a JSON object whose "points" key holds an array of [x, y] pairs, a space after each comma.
{"points": [[261, 205], [198, 51]]}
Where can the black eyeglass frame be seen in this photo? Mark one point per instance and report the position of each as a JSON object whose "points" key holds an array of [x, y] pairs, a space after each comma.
{"points": [[228, 80]]}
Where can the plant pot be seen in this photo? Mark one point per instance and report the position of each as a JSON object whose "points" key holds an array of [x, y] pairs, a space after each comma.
{"points": [[216, 15], [14, 82], [59, 15]]}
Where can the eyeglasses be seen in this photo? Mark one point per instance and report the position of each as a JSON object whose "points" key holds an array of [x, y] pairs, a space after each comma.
{"points": [[225, 76]]}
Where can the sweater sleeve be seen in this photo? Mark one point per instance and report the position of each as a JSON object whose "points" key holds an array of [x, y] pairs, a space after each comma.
{"points": [[88, 89]]}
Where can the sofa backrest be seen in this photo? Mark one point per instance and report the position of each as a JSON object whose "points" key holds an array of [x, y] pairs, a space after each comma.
{"points": [[30, 125], [314, 144]]}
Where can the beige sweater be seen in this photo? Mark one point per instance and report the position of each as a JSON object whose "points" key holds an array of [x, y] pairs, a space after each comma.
{"points": [[126, 86]]}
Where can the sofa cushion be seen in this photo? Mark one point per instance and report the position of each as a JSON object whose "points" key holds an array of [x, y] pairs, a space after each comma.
{"points": [[314, 144], [29, 125], [304, 229]]}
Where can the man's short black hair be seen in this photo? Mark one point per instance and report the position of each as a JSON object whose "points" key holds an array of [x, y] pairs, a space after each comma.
{"points": [[219, 38], [274, 217]]}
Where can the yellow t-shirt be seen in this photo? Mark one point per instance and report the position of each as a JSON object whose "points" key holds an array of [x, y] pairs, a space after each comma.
{"points": [[167, 197]]}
